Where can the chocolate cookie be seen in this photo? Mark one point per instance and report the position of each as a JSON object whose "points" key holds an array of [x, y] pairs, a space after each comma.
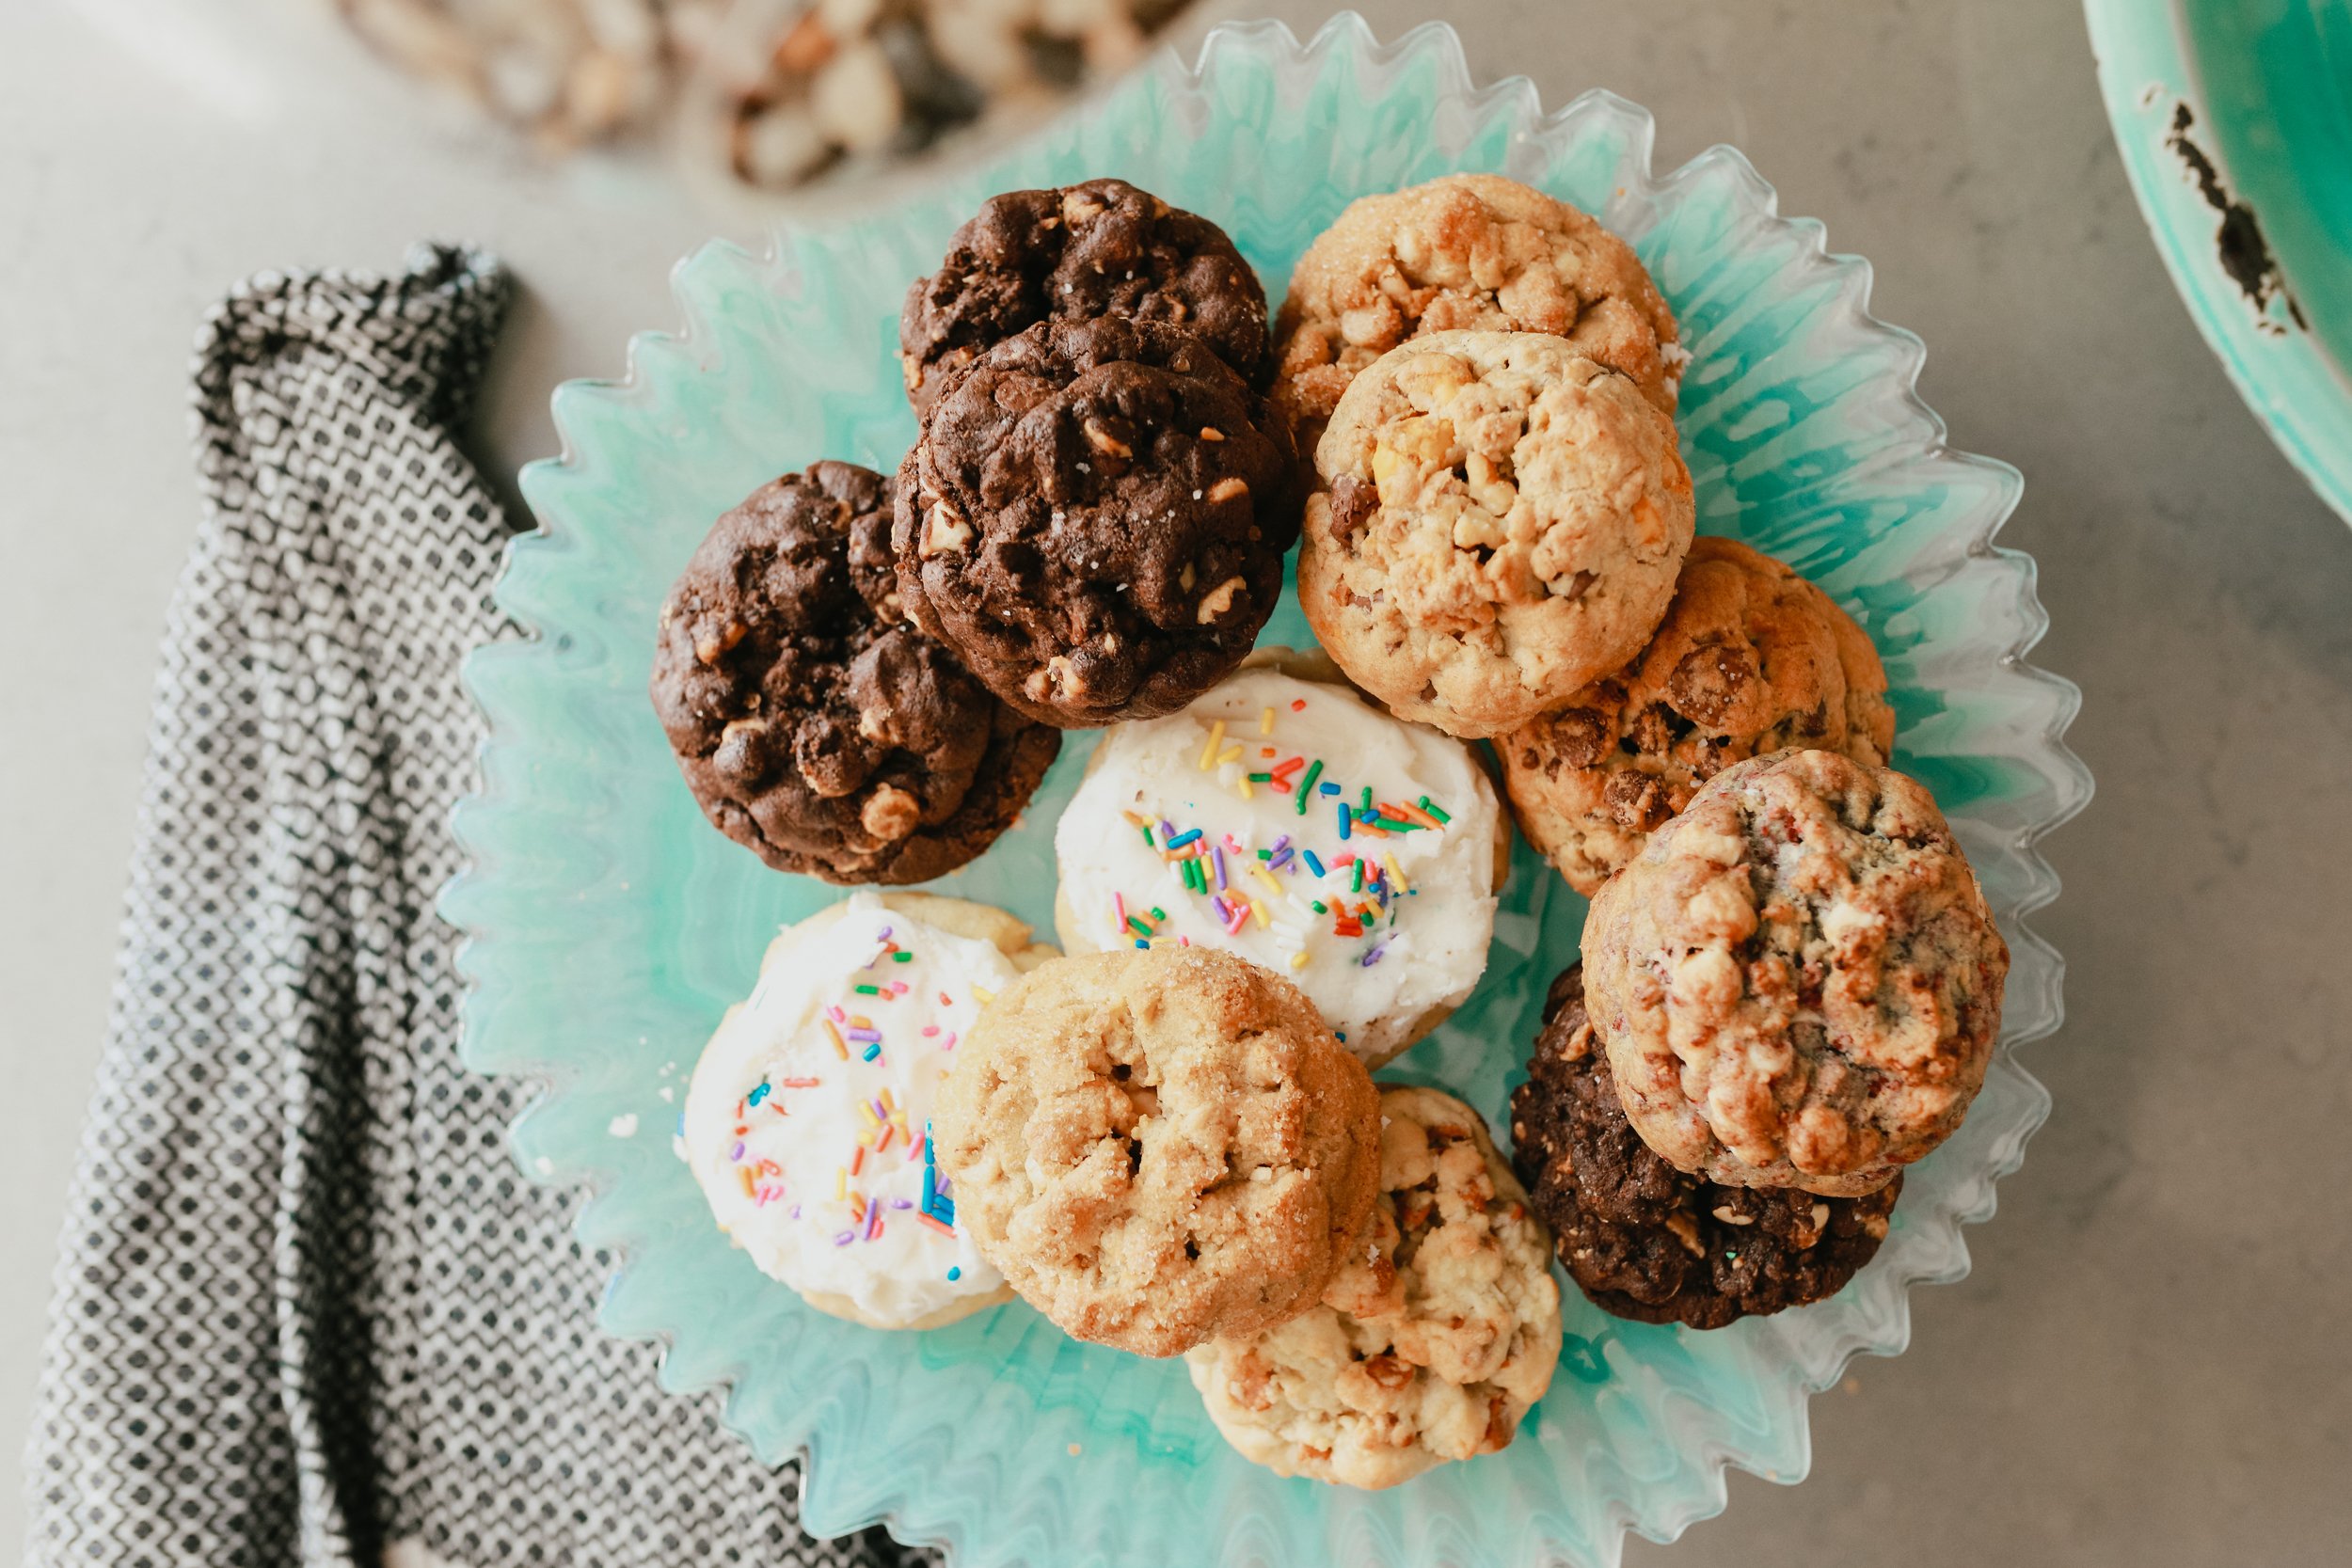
{"points": [[1094, 520], [815, 727], [1104, 248], [1641, 1238]]}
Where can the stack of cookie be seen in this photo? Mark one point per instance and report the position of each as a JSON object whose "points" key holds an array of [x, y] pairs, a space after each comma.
{"points": [[1282, 867]]}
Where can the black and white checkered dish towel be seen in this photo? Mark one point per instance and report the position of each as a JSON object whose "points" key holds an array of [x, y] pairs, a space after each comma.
{"points": [[307, 1311]]}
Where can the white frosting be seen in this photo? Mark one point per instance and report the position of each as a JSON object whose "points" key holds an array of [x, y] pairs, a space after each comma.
{"points": [[1430, 941], [778, 1172]]}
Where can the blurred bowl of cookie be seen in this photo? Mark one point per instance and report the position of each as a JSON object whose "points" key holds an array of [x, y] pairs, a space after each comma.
{"points": [[777, 105]]}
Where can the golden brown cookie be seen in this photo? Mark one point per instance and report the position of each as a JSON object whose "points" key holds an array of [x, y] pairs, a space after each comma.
{"points": [[1750, 658], [1797, 979], [1432, 1340], [1498, 523], [1466, 251], [1156, 1147]]}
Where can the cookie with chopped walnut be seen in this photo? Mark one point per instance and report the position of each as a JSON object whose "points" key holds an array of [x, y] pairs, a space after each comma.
{"points": [[1100, 248], [1644, 1241], [1430, 1343], [1498, 522], [1158, 1147], [813, 724], [1751, 658], [1094, 520], [1797, 979]]}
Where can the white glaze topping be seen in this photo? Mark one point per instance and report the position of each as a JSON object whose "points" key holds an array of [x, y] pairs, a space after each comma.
{"points": [[1375, 958], [805, 1123]]}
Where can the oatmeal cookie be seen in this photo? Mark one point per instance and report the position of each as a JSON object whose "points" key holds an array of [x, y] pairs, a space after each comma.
{"points": [[1639, 1238], [1103, 248], [1158, 1147], [1465, 252], [1094, 520], [1432, 1341], [1750, 658], [813, 724], [1797, 979], [1499, 523]]}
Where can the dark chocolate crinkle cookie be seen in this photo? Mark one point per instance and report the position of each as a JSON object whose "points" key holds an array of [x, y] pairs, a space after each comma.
{"points": [[814, 724], [1094, 520], [1641, 1238], [1103, 248]]}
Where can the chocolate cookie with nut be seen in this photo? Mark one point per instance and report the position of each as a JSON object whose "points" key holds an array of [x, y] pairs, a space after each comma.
{"points": [[1094, 520], [1641, 1238], [1101, 249], [815, 726]]}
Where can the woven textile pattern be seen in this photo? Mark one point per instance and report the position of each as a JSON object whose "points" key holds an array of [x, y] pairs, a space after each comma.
{"points": [[306, 1308]]}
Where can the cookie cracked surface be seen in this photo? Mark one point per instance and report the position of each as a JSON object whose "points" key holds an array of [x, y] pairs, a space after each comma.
{"points": [[1094, 520], [1100, 248], [1157, 1147], [1797, 980], [1751, 658], [814, 726], [1473, 252], [1641, 1239], [1499, 523], [1431, 1341]]}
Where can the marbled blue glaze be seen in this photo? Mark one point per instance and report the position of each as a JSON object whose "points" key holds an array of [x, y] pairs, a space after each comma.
{"points": [[609, 926]]}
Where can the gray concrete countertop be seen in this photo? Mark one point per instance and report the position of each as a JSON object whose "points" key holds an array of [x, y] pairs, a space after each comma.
{"points": [[2147, 1365]]}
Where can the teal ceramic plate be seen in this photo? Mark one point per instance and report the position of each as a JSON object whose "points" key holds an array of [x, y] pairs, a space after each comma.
{"points": [[610, 926], [2234, 119]]}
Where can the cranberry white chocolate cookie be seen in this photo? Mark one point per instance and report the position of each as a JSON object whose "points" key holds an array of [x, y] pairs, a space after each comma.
{"points": [[1159, 1148], [1797, 979], [1431, 1341], [1750, 658], [1285, 818], [1466, 252], [807, 1117], [1499, 523]]}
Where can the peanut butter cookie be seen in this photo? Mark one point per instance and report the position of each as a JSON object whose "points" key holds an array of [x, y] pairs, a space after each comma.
{"points": [[1157, 1147], [1499, 524], [1430, 1343], [1750, 658], [1797, 979], [1465, 252], [1641, 1239]]}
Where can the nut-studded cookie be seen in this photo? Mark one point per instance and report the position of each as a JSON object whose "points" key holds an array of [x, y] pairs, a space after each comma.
{"points": [[1465, 252], [1101, 249], [1639, 1238], [814, 725], [1432, 1341], [1094, 520], [1797, 979], [1499, 523], [1157, 1147], [1750, 658]]}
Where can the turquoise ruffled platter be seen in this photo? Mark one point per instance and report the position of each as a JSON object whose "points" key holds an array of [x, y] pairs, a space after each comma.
{"points": [[609, 926], [2234, 121]]}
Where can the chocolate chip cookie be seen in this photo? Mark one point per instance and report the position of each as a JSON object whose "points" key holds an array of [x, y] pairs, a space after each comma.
{"points": [[1751, 658], [1094, 520], [1797, 979], [1103, 248], [1499, 524], [1158, 1147], [1639, 1238], [814, 725], [1465, 252], [1435, 1337]]}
